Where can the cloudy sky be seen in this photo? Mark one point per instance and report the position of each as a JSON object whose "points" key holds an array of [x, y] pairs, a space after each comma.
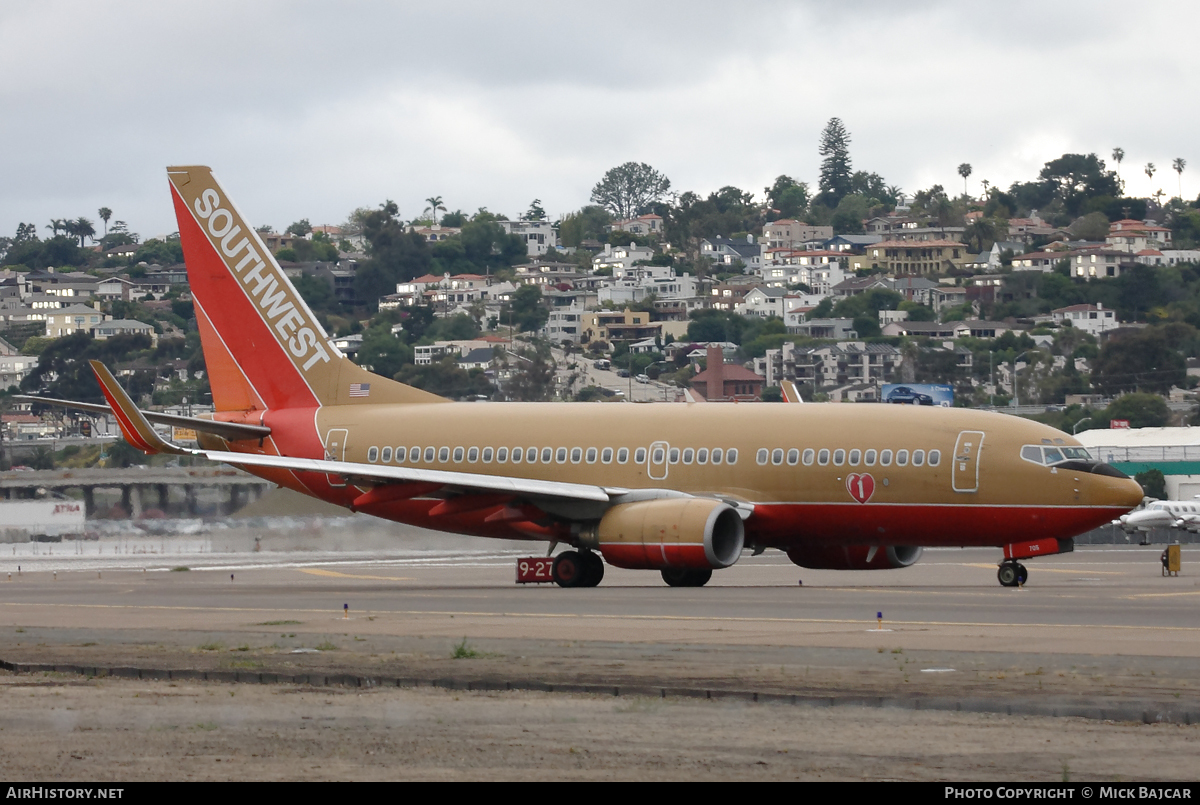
{"points": [[310, 109]]}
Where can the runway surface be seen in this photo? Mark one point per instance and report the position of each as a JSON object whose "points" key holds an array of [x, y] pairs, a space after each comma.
{"points": [[1097, 601]]}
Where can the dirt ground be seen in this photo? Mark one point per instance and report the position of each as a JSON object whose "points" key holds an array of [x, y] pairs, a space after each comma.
{"points": [[68, 727]]}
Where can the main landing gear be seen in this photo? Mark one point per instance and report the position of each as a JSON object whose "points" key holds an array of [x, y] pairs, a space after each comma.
{"points": [[578, 569], [1012, 574]]}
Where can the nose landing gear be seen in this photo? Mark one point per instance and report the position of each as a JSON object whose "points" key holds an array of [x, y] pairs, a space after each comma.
{"points": [[1012, 574]]}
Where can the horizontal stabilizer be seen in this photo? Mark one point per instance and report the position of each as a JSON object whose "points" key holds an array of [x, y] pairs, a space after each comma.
{"points": [[231, 431]]}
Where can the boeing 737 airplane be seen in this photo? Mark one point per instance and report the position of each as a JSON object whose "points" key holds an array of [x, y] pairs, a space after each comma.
{"points": [[680, 488]]}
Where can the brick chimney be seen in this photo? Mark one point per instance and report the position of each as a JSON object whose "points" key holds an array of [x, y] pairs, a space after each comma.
{"points": [[716, 373]]}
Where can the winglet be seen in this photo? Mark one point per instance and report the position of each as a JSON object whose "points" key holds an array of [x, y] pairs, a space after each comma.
{"points": [[790, 392], [134, 427]]}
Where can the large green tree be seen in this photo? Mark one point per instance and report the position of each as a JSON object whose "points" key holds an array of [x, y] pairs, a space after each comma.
{"points": [[630, 189], [788, 197], [1138, 360], [835, 163]]}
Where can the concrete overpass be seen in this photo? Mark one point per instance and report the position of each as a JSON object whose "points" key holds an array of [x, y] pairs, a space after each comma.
{"points": [[137, 484]]}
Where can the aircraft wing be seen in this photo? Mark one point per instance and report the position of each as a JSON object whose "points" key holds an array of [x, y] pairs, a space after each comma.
{"points": [[136, 429]]}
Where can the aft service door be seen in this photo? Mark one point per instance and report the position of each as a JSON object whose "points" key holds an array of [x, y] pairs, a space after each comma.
{"points": [[335, 450], [965, 474]]}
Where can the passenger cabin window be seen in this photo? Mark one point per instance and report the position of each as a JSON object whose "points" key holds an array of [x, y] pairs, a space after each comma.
{"points": [[502, 455], [606, 455], [901, 458], [591, 455], [809, 455], [639, 457], [430, 453], [372, 454], [935, 457], [386, 455], [401, 454], [487, 455], [622, 455], [885, 458], [458, 455], [855, 457], [869, 458], [793, 457], [516, 455], [823, 456], [576, 455], [689, 455], [918, 458], [548, 453], [777, 456], [731, 456], [673, 455], [659, 455], [444, 454], [839, 457], [561, 455], [717, 455], [472, 455], [761, 456], [702, 455]]}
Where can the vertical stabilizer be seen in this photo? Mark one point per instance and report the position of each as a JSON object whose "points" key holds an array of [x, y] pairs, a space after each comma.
{"points": [[262, 345]]}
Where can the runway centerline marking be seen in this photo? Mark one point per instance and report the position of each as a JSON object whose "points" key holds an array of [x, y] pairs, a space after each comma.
{"points": [[334, 574]]}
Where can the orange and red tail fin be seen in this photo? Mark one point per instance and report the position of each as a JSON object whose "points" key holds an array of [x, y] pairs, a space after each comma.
{"points": [[263, 347]]}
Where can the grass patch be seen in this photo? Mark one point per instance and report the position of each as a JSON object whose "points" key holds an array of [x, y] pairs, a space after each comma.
{"points": [[463, 652], [180, 569], [242, 647], [279, 623], [212, 647], [327, 646], [206, 726]]}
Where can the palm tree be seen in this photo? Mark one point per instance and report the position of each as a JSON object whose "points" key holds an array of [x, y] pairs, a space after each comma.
{"points": [[964, 170], [1179, 164], [57, 225], [1150, 170], [105, 213], [1118, 155], [83, 228], [435, 204], [986, 184]]}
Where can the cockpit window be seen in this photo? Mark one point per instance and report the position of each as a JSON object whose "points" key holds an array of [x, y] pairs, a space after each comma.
{"points": [[1040, 454]]}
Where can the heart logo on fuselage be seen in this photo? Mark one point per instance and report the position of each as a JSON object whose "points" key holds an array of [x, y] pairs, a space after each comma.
{"points": [[860, 486]]}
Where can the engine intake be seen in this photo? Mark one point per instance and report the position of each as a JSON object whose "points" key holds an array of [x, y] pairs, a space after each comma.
{"points": [[670, 533], [855, 557]]}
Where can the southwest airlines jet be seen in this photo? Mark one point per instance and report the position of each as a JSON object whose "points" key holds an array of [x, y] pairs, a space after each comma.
{"points": [[680, 488]]}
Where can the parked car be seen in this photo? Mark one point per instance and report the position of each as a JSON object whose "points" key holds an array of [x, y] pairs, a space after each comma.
{"points": [[642, 378], [905, 395], [622, 373]]}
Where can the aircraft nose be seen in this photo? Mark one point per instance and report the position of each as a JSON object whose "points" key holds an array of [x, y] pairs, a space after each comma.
{"points": [[1124, 492]]}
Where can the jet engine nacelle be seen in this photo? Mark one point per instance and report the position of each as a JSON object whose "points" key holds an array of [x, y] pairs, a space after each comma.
{"points": [[855, 557], [669, 533]]}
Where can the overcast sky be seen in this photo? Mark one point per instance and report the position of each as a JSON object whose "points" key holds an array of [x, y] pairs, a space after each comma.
{"points": [[308, 110]]}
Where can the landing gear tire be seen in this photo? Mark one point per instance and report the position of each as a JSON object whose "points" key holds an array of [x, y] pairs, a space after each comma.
{"points": [[570, 569], [686, 577], [1011, 574], [593, 569]]}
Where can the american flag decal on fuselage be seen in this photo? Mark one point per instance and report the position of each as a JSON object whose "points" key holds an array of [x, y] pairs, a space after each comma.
{"points": [[360, 389]]}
